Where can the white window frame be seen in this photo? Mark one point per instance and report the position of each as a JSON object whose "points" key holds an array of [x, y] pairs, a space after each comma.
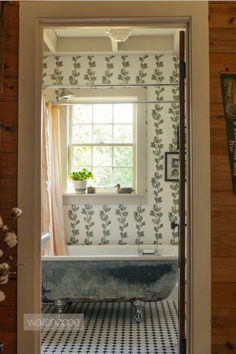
{"points": [[140, 148], [133, 144]]}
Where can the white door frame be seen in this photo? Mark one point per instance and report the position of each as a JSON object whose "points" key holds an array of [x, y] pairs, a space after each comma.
{"points": [[35, 15]]}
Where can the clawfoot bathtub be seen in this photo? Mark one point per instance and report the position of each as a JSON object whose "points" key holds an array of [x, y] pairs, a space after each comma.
{"points": [[110, 273]]}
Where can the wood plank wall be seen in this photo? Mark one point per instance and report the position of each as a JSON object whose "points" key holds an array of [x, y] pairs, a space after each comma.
{"points": [[8, 166], [222, 42]]}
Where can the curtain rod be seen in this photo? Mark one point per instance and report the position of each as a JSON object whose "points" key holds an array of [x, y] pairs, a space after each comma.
{"points": [[104, 86], [99, 102]]}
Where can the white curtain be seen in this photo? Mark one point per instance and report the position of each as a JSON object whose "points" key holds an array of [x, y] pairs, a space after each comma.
{"points": [[52, 218]]}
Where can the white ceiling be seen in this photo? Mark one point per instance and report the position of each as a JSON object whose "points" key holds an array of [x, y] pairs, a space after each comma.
{"points": [[73, 32], [77, 40]]}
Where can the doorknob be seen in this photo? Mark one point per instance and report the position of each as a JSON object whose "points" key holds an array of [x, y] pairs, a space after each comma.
{"points": [[174, 224]]}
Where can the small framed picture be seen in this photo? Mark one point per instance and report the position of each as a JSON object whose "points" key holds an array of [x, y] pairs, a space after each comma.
{"points": [[172, 166]]}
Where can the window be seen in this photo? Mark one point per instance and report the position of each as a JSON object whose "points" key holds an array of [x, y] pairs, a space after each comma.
{"points": [[102, 139], [106, 134]]}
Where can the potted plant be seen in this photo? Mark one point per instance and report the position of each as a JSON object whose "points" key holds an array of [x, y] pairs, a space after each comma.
{"points": [[80, 179]]}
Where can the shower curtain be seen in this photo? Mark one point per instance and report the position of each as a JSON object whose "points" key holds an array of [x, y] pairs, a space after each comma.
{"points": [[52, 219]]}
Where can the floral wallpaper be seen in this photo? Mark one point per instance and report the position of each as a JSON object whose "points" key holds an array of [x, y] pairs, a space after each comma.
{"points": [[128, 224]]}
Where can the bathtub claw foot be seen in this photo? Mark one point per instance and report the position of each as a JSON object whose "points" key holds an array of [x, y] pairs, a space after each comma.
{"points": [[139, 307], [59, 305], [138, 316]]}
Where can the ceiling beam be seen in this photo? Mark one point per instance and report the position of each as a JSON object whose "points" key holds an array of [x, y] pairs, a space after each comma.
{"points": [[176, 41], [147, 43], [114, 46], [163, 44], [78, 46], [50, 39]]}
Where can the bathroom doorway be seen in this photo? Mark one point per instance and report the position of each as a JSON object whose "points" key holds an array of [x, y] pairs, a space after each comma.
{"points": [[82, 112], [114, 105]]}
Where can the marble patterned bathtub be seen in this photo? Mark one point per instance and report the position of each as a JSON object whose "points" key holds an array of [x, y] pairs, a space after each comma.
{"points": [[110, 273]]}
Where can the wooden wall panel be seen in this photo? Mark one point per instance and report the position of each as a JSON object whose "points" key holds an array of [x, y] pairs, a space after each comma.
{"points": [[222, 31], [8, 112], [223, 269], [217, 63], [221, 15], [223, 244], [223, 293], [222, 39], [223, 344], [8, 166]]}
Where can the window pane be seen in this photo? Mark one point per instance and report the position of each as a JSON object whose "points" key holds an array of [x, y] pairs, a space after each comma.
{"points": [[102, 134], [102, 113], [82, 113], [102, 156], [81, 156], [123, 133], [102, 176], [123, 113], [81, 134], [123, 176], [123, 156]]}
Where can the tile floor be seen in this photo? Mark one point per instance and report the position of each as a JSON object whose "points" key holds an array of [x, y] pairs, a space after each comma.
{"points": [[111, 328]]}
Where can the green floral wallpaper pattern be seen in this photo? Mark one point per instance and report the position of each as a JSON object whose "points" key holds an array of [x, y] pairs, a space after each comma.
{"points": [[106, 222], [140, 223], [90, 77], [88, 213], [123, 76], [157, 150], [122, 212], [174, 116], [106, 79], [74, 221], [57, 75], [140, 78], [75, 73], [128, 224]]}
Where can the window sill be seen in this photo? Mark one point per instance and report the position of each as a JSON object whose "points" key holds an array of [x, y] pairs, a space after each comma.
{"points": [[113, 198]]}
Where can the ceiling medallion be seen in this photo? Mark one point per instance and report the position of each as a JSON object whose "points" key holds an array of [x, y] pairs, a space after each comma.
{"points": [[119, 34]]}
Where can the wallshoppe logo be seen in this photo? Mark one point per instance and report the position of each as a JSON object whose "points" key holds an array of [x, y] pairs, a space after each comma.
{"points": [[56, 322]]}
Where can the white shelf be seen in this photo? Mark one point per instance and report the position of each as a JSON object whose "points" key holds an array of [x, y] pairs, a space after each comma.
{"points": [[106, 198]]}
